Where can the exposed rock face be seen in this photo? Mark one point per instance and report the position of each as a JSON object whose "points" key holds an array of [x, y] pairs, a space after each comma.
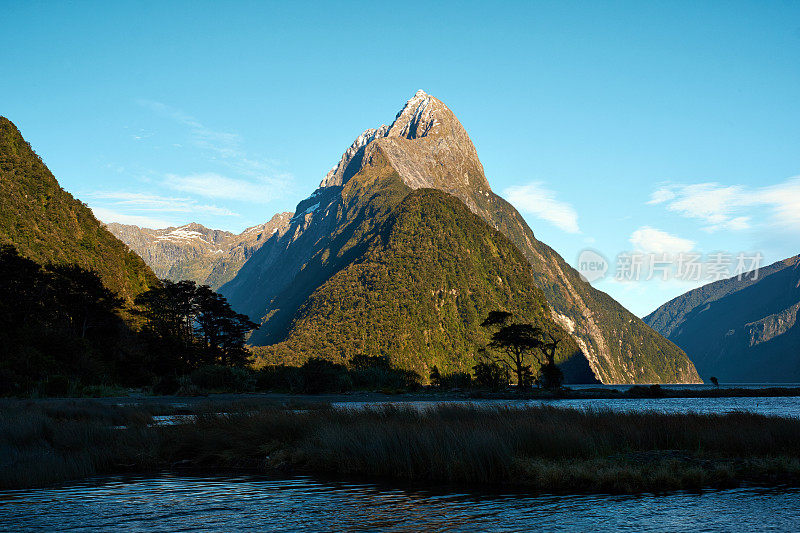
{"points": [[427, 147], [192, 251], [416, 290], [740, 330]]}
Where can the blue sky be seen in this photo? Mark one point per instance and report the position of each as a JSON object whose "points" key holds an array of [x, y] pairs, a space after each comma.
{"points": [[614, 126]]}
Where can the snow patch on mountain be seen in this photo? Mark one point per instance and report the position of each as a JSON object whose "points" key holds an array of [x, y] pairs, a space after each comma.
{"points": [[182, 234], [309, 209]]}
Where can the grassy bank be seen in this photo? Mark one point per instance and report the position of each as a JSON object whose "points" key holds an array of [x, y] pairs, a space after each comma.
{"points": [[540, 448]]}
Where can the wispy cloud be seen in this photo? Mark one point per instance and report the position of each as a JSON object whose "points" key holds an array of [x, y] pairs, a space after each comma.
{"points": [[735, 207], [536, 199], [652, 240], [224, 147], [247, 178], [109, 215], [211, 185], [137, 203]]}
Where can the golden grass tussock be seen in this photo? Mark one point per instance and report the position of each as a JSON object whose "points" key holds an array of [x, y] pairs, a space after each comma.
{"points": [[537, 447]]}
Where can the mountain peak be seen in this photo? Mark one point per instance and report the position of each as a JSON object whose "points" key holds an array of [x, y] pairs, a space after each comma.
{"points": [[428, 147], [419, 117]]}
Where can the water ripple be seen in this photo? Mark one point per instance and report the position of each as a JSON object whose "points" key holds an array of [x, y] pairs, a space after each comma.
{"points": [[174, 503]]}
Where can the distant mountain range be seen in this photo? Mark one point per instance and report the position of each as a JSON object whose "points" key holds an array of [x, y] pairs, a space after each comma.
{"points": [[380, 259], [740, 330], [401, 251], [207, 256], [46, 224]]}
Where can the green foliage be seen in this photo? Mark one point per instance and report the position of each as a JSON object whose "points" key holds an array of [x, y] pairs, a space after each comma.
{"points": [[223, 378], [46, 224], [490, 375], [191, 325], [321, 375], [365, 362], [61, 331], [633, 351], [415, 293], [55, 320], [550, 376]]}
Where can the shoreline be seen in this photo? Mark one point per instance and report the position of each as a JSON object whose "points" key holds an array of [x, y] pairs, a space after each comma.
{"points": [[608, 392], [531, 448]]}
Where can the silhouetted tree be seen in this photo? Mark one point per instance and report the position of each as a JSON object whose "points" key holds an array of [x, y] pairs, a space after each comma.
{"points": [[435, 377], [365, 362], [171, 309], [516, 344], [54, 320], [489, 374], [496, 318], [198, 320], [320, 375], [222, 329], [85, 302], [550, 376], [715, 381]]}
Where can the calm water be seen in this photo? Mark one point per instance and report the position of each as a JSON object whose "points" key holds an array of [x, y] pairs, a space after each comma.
{"points": [[247, 503]]}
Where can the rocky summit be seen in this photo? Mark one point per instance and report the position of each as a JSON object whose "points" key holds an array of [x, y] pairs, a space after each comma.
{"points": [[192, 251], [743, 329], [348, 221]]}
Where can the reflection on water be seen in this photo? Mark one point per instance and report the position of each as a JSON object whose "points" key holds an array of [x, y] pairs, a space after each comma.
{"points": [[236, 503], [777, 406]]}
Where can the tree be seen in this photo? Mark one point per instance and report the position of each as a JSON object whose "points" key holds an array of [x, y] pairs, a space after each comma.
{"points": [[86, 303], [550, 376], [222, 329], [496, 318], [516, 344], [489, 374], [435, 377], [56, 319], [714, 380], [198, 320], [170, 310], [364, 362]]}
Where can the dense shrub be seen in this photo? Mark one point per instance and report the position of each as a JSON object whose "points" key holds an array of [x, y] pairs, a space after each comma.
{"points": [[166, 385], [56, 386], [223, 378], [490, 375], [321, 375]]}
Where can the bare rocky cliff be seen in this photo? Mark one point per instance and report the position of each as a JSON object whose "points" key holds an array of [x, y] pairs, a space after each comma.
{"points": [[207, 256], [427, 147]]}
